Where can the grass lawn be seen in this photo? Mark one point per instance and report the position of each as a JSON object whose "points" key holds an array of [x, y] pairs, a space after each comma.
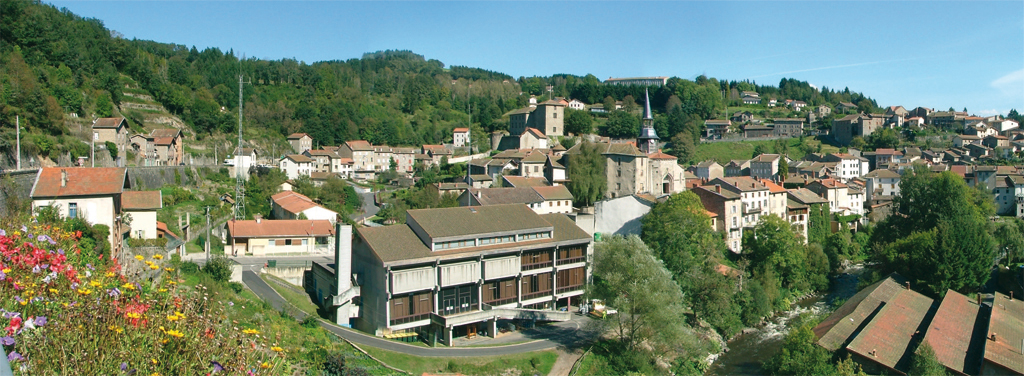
{"points": [[297, 299], [527, 363], [723, 152]]}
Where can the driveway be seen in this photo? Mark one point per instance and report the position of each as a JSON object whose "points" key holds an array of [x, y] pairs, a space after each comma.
{"points": [[369, 207], [564, 335]]}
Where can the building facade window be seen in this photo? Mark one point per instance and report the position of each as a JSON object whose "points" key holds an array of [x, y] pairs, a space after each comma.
{"points": [[73, 210]]}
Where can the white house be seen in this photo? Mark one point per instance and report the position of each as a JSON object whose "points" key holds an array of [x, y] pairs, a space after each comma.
{"points": [[142, 206], [576, 104], [460, 137], [292, 205], [93, 194], [244, 159], [882, 183], [279, 237], [295, 165]]}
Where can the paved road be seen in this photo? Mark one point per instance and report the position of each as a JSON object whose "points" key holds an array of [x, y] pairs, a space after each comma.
{"points": [[370, 209], [559, 335]]}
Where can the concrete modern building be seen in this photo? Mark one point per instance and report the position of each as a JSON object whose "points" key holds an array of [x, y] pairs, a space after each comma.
{"points": [[638, 81], [456, 271]]}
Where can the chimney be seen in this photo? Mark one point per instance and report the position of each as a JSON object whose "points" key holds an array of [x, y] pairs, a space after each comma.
{"points": [[908, 285], [718, 188], [993, 336], [979, 299], [342, 258], [63, 178], [258, 218]]}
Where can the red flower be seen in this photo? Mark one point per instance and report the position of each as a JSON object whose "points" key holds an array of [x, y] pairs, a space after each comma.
{"points": [[14, 326]]}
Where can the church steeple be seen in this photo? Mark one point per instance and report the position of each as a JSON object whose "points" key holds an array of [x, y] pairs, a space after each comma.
{"points": [[647, 142]]}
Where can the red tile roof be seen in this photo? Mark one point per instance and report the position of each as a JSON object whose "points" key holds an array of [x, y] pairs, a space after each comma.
{"points": [[359, 145], [111, 122], [830, 183], [162, 227], [141, 200], [292, 202], [950, 332], [460, 130], [279, 228], [660, 155], [81, 181], [296, 136], [536, 132], [163, 141], [557, 192], [299, 158], [1007, 324], [887, 338]]}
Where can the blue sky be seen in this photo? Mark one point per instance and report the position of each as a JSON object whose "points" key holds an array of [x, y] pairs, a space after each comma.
{"points": [[910, 53]]}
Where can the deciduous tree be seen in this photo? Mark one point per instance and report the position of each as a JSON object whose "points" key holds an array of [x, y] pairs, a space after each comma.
{"points": [[578, 122], [587, 181], [622, 124]]}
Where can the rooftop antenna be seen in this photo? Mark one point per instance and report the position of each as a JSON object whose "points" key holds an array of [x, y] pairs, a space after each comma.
{"points": [[239, 181]]}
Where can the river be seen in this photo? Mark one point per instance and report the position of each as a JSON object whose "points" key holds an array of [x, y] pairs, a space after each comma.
{"points": [[749, 350]]}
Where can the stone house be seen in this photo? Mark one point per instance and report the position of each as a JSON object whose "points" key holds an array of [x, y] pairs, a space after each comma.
{"points": [[300, 142], [112, 129]]}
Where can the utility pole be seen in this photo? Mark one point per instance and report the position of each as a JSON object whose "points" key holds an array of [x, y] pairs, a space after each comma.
{"points": [[92, 156], [208, 228], [17, 122]]}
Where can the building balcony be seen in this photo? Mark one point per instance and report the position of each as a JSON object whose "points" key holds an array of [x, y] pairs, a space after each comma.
{"points": [[568, 289], [535, 295], [539, 265], [751, 209], [571, 260], [408, 319]]}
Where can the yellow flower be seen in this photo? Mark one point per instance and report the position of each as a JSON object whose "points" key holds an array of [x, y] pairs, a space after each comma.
{"points": [[84, 291], [251, 331], [54, 291], [7, 270], [179, 314], [23, 302], [138, 257], [175, 333], [158, 257], [153, 360], [95, 284], [154, 267], [169, 269], [133, 315], [162, 290], [149, 262], [128, 286], [115, 328], [172, 283], [265, 365], [172, 318], [155, 374], [277, 349], [110, 274]]}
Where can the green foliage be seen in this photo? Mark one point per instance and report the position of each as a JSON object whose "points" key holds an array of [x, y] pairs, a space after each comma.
{"points": [[578, 122], [678, 231], [783, 167], [622, 124], [884, 138], [586, 173], [218, 268], [310, 322], [112, 149], [774, 245], [938, 235], [104, 107], [760, 149], [634, 281], [800, 355], [925, 363], [683, 147], [819, 223], [1010, 239]]}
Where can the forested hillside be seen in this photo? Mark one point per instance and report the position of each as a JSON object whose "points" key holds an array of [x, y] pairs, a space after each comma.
{"points": [[54, 63]]}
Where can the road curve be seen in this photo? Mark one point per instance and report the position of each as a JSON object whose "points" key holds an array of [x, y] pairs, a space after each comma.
{"points": [[565, 335]]}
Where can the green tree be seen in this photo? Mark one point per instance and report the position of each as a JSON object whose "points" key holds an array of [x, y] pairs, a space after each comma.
{"points": [[925, 363], [678, 231], [783, 168], [819, 223], [104, 107], [683, 147], [636, 283], [773, 244], [1009, 238], [587, 181], [858, 143], [578, 122], [759, 149], [800, 355], [622, 124], [938, 234], [112, 149], [609, 103], [884, 139]]}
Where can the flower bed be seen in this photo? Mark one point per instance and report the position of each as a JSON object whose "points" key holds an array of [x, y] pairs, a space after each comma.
{"points": [[66, 311]]}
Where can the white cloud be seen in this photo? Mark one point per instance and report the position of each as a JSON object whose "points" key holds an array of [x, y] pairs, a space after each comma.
{"points": [[1010, 84]]}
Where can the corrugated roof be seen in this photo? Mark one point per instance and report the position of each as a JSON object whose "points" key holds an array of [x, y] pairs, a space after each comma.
{"points": [[951, 331], [1007, 323], [465, 221], [81, 181], [270, 228], [141, 200], [887, 338]]}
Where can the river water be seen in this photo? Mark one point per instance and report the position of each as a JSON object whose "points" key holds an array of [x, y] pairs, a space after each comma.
{"points": [[749, 350]]}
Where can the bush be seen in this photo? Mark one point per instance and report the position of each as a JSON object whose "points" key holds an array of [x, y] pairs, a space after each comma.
{"points": [[189, 267], [112, 148], [219, 268], [237, 287], [310, 322]]}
